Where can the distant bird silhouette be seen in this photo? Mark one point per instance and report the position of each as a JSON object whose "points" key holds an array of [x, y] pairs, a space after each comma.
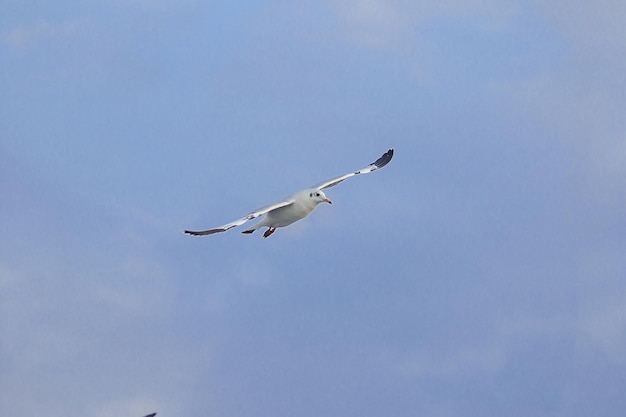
{"points": [[151, 415]]}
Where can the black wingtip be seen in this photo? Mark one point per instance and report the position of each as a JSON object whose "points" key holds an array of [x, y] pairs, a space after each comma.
{"points": [[384, 160], [203, 232]]}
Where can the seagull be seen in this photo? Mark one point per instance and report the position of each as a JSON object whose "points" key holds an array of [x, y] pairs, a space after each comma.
{"points": [[294, 207]]}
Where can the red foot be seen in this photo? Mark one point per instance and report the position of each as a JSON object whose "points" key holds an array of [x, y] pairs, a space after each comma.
{"points": [[269, 231]]}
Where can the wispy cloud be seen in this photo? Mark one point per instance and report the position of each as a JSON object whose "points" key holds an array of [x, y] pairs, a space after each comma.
{"points": [[598, 24], [31, 34], [455, 362], [604, 326], [380, 23]]}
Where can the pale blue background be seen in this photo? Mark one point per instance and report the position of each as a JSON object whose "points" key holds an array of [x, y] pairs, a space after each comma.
{"points": [[482, 272]]}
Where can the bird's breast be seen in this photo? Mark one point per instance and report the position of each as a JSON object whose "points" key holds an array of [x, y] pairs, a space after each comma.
{"points": [[284, 216]]}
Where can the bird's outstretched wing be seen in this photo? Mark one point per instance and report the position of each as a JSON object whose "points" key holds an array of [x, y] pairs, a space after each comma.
{"points": [[252, 215], [379, 163]]}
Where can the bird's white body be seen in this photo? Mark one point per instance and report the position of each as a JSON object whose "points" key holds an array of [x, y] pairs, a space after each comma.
{"points": [[304, 202], [295, 207]]}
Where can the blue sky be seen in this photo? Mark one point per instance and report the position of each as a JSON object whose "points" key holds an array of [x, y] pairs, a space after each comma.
{"points": [[480, 273]]}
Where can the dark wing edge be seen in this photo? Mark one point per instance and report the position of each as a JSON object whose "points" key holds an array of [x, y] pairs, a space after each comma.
{"points": [[383, 160], [379, 163], [206, 232], [226, 226], [256, 213]]}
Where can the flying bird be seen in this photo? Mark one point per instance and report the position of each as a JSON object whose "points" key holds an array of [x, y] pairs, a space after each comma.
{"points": [[294, 207]]}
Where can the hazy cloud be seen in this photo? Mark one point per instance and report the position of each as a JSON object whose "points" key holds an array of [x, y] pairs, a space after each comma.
{"points": [[31, 34]]}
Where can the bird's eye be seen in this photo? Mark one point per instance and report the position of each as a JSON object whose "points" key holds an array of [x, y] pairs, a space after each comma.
{"points": [[317, 194]]}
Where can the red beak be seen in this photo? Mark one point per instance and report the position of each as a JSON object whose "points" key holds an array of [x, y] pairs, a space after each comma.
{"points": [[327, 201]]}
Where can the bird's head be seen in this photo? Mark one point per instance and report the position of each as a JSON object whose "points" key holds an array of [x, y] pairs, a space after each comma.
{"points": [[318, 196]]}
